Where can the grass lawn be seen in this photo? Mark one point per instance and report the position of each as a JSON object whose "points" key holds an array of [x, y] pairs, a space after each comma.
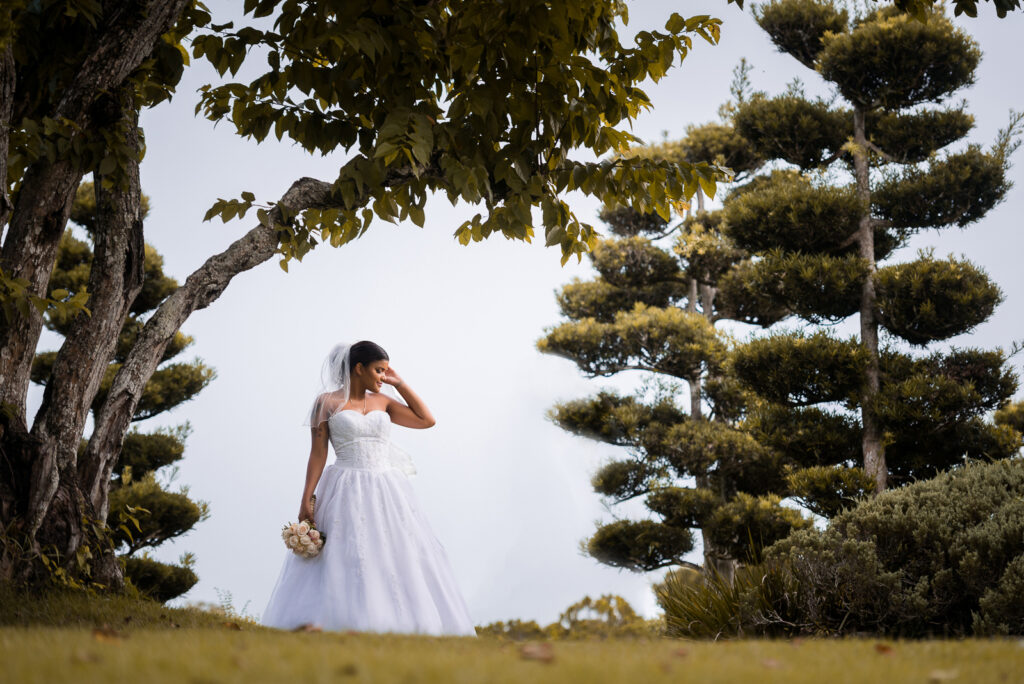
{"points": [[197, 654], [61, 638]]}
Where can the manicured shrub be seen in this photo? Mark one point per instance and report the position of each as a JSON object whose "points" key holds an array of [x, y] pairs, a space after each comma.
{"points": [[938, 557]]}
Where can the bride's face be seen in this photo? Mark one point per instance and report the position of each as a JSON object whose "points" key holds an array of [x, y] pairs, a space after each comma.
{"points": [[372, 375]]}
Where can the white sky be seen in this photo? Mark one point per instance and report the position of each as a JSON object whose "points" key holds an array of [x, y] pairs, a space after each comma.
{"points": [[507, 492]]}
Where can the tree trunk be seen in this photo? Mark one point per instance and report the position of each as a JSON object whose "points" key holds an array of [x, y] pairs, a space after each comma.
{"points": [[724, 564], [39, 489], [199, 290], [56, 504], [44, 200], [871, 440], [30, 251], [7, 76]]}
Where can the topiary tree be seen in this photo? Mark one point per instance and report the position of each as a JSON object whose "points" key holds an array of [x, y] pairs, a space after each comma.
{"points": [[822, 239], [142, 513], [653, 307]]}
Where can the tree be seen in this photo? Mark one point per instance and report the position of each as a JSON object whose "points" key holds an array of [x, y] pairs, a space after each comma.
{"points": [[821, 241], [484, 103], [142, 513], [654, 309], [920, 9]]}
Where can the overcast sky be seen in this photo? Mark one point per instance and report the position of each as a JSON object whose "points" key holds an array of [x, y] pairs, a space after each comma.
{"points": [[507, 492]]}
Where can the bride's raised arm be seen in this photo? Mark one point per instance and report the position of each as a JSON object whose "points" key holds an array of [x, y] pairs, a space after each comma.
{"points": [[415, 414]]}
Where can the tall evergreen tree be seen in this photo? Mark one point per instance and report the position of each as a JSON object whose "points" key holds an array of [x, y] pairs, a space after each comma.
{"points": [[142, 512], [654, 307], [822, 243]]}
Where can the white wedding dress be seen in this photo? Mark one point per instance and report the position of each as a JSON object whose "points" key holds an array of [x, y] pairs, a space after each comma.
{"points": [[381, 568]]}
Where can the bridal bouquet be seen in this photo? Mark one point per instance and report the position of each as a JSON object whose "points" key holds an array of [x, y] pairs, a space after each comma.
{"points": [[303, 538]]}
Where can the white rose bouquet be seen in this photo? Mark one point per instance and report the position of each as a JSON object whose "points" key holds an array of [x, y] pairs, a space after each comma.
{"points": [[303, 538]]}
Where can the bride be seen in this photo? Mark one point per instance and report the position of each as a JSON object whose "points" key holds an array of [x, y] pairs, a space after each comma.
{"points": [[381, 568]]}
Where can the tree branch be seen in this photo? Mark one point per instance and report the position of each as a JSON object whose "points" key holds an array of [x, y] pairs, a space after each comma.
{"points": [[200, 289], [877, 150]]}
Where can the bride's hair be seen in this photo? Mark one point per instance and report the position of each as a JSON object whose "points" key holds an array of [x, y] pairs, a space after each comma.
{"points": [[366, 352], [335, 377]]}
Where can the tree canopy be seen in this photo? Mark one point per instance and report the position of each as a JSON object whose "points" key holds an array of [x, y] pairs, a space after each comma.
{"points": [[483, 102]]}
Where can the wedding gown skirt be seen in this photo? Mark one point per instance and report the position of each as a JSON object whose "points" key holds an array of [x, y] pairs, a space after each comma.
{"points": [[381, 568]]}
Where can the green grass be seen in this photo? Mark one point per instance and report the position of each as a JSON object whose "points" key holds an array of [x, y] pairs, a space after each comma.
{"points": [[68, 608], [205, 655], [67, 637]]}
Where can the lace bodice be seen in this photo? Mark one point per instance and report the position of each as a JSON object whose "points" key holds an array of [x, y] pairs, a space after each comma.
{"points": [[363, 441]]}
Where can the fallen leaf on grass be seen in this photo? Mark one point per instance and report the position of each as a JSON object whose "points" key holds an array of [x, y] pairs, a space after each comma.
{"points": [[771, 664], [107, 633], [232, 625], [83, 656], [537, 651], [348, 670], [307, 628], [796, 642], [681, 653], [883, 648], [942, 675]]}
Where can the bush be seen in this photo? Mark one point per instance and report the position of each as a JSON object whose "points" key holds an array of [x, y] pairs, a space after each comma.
{"points": [[755, 603], [160, 581], [942, 557], [938, 557], [608, 616]]}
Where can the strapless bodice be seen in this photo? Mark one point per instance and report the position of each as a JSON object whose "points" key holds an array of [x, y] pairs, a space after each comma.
{"points": [[363, 441]]}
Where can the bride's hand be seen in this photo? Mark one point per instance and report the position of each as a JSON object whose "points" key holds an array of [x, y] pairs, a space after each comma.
{"points": [[305, 512], [391, 377]]}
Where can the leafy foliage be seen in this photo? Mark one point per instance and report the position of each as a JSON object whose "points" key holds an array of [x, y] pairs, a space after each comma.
{"points": [[639, 545], [828, 490], [928, 299], [893, 61], [799, 369], [669, 341], [803, 132], [713, 606], [791, 213], [608, 616], [161, 581], [480, 102], [939, 557], [956, 190], [169, 514], [911, 137], [1011, 415], [799, 27]]}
